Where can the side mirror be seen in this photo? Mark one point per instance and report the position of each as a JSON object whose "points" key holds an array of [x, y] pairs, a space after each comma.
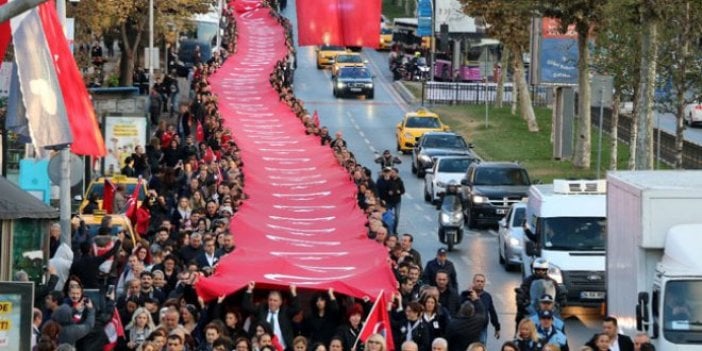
{"points": [[503, 222], [536, 181], [530, 235], [464, 181], [365, 62], [429, 171], [399, 126], [470, 145], [642, 317], [446, 128], [78, 198], [532, 248], [373, 76]]}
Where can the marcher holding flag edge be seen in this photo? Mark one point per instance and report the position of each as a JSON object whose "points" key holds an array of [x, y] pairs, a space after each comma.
{"points": [[377, 322]]}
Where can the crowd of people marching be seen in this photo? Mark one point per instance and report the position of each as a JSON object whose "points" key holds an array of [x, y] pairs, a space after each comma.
{"points": [[146, 298]]}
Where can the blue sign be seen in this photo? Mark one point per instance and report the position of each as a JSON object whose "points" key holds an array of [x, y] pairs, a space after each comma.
{"points": [[558, 61], [424, 14], [34, 178]]}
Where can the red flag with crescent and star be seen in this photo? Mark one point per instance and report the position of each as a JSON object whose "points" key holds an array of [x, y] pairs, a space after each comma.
{"points": [[378, 322]]}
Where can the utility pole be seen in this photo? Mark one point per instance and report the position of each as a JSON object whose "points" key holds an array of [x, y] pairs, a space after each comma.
{"points": [[14, 8], [151, 44], [65, 155]]}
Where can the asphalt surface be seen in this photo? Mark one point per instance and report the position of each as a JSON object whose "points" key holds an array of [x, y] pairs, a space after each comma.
{"points": [[368, 126]]}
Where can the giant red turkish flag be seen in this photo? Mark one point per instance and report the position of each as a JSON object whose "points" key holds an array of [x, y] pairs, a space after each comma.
{"points": [[300, 224], [339, 22]]}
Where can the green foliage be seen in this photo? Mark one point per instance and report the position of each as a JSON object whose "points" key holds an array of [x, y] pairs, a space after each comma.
{"points": [[112, 80], [392, 11]]}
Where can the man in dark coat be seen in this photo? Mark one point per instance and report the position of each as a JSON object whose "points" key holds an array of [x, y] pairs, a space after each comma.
{"points": [[273, 311], [611, 328], [466, 327], [441, 262], [87, 267]]}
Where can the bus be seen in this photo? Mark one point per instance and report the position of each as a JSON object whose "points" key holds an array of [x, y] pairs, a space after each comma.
{"points": [[477, 61], [404, 35]]}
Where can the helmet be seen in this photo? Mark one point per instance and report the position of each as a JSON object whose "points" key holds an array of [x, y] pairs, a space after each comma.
{"points": [[417, 54], [540, 263]]}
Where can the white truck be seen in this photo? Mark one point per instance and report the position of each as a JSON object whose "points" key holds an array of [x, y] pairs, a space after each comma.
{"points": [[566, 225], [654, 255]]}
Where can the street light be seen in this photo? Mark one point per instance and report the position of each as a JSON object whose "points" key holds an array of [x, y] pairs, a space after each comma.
{"points": [[151, 43]]}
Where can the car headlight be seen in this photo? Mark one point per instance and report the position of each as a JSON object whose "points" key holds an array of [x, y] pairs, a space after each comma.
{"points": [[452, 218], [369, 85], [408, 135], [441, 184], [478, 199], [340, 85], [514, 242], [425, 158], [555, 273], [525, 199]]}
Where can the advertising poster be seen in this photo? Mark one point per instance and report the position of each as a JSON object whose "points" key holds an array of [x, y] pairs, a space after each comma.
{"points": [[555, 54], [15, 315], [122, 134]]}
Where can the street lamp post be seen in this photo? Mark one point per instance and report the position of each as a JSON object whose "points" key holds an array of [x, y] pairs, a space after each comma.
{"points": [[151, 43]]}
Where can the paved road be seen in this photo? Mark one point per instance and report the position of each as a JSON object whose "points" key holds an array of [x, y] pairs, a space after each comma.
{"points": [[368, 126]]}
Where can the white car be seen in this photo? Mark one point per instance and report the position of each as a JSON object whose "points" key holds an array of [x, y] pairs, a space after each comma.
{"points": [[444, 170], [693, 114], [510, 238]]}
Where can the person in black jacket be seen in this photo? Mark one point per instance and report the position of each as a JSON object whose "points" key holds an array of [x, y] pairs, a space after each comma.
{"points": [[349, 331], [408, 324], [277, 315], [321, 324], [490, 313], [87, 267], [611, 328], [466, 327]]}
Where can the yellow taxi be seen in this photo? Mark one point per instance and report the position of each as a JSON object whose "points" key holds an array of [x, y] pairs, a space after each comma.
{"points": [[97, 187], [385, 38], [117, 224], [349, 59], [414, 125], [326, 54]]}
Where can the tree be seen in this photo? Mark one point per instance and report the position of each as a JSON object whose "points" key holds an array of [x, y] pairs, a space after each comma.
{"points": [[681, 69], [649, 11], [586, 15], [130, 17], [509, 22], [616, 54]]}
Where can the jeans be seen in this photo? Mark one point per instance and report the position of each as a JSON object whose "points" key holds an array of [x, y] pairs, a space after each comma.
{"points": [[483, 336], [396, 209]]}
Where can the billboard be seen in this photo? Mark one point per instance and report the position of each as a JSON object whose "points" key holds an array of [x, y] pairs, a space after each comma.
{"points": [[122, 134], [16, 300], [554, 55], [451, 12]]}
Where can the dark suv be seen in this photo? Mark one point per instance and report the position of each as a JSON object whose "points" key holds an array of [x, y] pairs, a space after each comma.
{"points": [[433, 144], [490, 188]]}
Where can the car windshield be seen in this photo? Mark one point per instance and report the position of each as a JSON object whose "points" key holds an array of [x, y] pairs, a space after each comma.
{"points": [[501, 176], [385, 31], [519, 215], [349, 59], [354, 73], [332, 48], [423, 122], [99, 189], [187, 50], [93, 229], [444, 142], [682, 311], [574, 233], [454, 165]]}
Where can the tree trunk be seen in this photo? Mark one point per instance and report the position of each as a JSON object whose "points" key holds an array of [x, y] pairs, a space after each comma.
{"points": [[634, 128], [515, 89], [501, 82], [129, 54], [614, 130], [647, 85], [126, 68], [583, 143], [525, 108], [681, 77], [408, 7]]}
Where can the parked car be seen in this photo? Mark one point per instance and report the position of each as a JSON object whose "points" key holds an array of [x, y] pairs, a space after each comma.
{"points": [[354, 81], [510, 237], [490, 188], [414, 125], [433, 144], [693, 114], [445, 170], [97, 187], [326, 55]]}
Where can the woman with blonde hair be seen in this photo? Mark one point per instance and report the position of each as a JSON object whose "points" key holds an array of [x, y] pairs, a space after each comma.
{"points": [[527, 338], [375, 342], [551, 347], [139, 328]]}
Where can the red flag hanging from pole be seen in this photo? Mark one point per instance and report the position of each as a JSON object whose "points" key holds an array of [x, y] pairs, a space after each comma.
{"points": [[108, 195], [340, 22], [113, 330], [378, 322], [131, 211]]}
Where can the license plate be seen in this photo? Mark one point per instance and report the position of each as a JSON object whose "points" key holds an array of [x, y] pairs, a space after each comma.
{"points": [[592, 295], [501, 211], [356, 90]]}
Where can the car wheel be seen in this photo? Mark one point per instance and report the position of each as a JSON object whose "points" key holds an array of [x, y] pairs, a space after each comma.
{"points": [[319, 66], [414, 168], [500, 250], [371, 95], [470, 222], [420, 173], [335, 93], [427, 196], [398, 148]]}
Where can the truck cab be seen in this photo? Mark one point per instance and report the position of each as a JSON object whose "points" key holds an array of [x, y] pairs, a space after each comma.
{"points": [[566, 225]]}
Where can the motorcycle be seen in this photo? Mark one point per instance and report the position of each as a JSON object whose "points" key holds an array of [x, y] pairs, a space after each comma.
{"points": [[421, 70], [451, 220]]}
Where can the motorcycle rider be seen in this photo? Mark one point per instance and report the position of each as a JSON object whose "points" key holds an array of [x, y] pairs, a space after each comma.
{"points": [[387, 160], [452, 188], [528, 305], [414, 65]]}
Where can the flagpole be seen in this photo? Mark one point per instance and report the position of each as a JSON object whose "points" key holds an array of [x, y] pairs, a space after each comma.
{"points": [[14, 8], [375, 304]]}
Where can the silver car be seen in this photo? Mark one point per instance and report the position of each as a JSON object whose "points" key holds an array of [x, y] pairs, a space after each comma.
{"points": [[510, 239]]}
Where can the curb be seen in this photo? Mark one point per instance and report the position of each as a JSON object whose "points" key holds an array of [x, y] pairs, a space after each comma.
{"points": [[404, 93]]}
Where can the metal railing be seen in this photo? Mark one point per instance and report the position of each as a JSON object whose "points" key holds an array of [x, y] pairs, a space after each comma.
{"points": [[476, 93]]}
